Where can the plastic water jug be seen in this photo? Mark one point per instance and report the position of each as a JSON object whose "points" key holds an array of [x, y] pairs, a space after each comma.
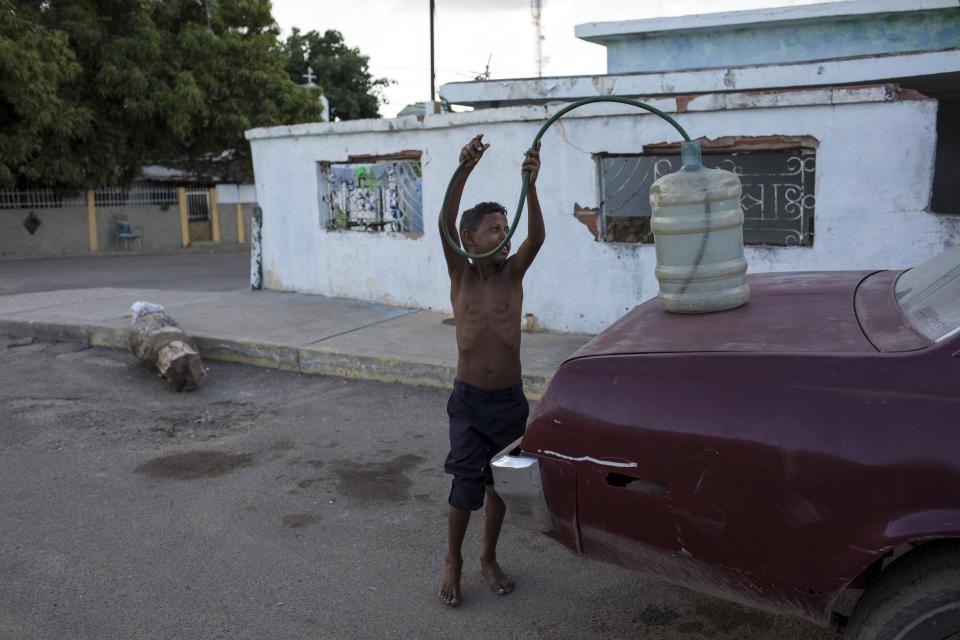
{"points": [[697, 228]]}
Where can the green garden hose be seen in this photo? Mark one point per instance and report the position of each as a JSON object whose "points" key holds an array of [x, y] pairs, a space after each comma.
{"points": [[526, 174]]}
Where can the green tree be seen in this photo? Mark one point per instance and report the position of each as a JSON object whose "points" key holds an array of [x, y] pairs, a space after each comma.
{"points": [[236, 70], [130, 85], [145, 81], [342, 73], [38, 127]]}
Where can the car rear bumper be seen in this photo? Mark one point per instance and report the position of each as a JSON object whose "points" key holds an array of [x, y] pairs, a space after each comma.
{"points": [[516, 479]]}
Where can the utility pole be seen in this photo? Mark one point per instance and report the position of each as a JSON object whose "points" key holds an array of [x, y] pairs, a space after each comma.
{"points": [[536, 8], [433, 75]]}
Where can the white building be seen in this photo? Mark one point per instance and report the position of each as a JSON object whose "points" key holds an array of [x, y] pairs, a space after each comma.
{"points": [[841, 118]]}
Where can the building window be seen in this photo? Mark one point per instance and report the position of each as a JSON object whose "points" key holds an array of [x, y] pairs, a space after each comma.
{"points": [[946, 187], [777, 175], [382, 194]]}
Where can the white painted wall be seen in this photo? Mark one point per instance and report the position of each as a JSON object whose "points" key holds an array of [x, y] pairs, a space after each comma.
{"points": [[873, 183], [236, 193]]}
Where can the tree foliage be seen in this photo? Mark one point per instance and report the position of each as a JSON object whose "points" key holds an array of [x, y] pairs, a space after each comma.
{"points": [[38, 126], [91, 90], [341, 72]]}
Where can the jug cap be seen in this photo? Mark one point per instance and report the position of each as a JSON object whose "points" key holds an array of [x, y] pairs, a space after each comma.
{"points": [[690, 155]]}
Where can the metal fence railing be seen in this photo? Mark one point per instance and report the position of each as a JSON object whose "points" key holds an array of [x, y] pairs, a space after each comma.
{"points": [[38, 199], [120, 197], [103, 197]]}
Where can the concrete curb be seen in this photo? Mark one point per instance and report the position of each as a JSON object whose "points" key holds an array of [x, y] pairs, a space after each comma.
{"points": [[272, 356], [46, 331]]}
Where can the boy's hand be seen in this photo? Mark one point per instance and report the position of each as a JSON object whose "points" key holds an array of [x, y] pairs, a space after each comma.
{"points": [[531, 163], [473, 151]]}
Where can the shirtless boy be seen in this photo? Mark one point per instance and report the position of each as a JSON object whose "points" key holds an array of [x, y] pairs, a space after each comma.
{"points": [[487, 408]]}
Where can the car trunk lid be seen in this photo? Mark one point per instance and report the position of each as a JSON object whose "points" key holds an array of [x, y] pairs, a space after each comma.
{"points": [[803, 312]]}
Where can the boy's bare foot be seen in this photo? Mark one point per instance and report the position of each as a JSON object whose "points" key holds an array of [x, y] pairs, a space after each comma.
{"points": [[500, 583], [450, 587]]}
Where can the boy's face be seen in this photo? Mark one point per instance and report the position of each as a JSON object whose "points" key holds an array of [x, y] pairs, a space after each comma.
{"points": [[491, 231]]}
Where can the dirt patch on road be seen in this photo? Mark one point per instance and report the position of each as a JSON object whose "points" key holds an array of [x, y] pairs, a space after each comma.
{"points": [[114, 402], [194, 465], [298, 520], [728, 618], [658, 617], [48, 420], [214, 420], [377, 482]]}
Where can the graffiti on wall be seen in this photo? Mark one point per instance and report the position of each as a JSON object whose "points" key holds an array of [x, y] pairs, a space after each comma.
{"points": [[372, 196]]}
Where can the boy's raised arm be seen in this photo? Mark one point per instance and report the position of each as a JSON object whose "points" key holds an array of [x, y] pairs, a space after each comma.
{"points": [[471, 152], [536, 233]]}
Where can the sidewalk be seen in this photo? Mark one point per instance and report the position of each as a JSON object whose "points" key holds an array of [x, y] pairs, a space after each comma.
{"points": [[309, 334]]}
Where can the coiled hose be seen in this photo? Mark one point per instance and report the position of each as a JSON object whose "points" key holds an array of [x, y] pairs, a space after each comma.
{"points": [[526, 174]]}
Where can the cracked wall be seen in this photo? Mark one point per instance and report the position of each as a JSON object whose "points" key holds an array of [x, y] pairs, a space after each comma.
{"points": [[873, 186]]}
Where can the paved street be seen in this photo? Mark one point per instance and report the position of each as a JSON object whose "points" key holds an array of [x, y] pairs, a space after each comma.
{"points": [[182, 271], [270, 504]]}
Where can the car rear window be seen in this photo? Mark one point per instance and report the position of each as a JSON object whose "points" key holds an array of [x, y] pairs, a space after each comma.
{"points": [[929, 295]]}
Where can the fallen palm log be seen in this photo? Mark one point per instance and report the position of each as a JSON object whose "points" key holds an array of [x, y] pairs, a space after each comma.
{"points": [[160, 343]]}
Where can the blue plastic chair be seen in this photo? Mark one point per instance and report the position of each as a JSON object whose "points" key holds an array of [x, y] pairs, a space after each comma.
{"points": [[125, 234]]}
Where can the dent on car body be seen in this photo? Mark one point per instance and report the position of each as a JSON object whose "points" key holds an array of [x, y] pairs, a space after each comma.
{"points": [[608, 463]]}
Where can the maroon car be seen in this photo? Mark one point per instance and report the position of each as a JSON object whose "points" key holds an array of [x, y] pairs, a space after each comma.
{"points": [[800, 453]]}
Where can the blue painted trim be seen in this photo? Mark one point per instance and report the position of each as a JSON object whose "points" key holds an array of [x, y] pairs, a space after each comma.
{"points": [[779, 43]]}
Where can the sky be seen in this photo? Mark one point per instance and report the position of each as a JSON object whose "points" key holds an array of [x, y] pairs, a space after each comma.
{"points": [[395, 34]]}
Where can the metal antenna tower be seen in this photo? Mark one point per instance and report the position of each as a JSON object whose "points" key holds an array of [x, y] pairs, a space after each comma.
{"points": [[536, 10]]}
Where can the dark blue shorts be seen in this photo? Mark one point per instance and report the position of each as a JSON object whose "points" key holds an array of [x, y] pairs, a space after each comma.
{"points": [[482, 422]]}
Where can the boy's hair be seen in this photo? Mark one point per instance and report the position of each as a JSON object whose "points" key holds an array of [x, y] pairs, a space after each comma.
{"points": [[471, 218]]}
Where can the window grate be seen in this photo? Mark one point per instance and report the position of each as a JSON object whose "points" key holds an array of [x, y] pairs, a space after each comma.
{"points": [[778, 194]]}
